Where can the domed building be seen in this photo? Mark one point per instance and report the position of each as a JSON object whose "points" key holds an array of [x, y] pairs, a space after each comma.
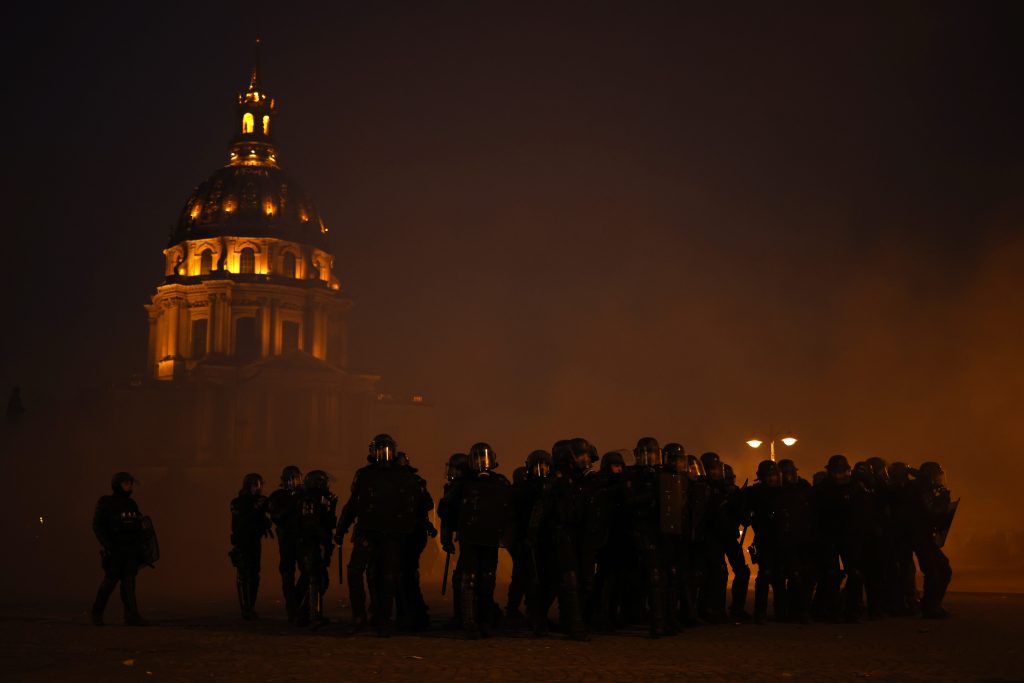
{"points": [[248, 339], [248, 273]]}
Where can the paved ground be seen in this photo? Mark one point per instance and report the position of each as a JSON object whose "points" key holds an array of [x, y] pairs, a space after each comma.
{"points": [[982, 643]]}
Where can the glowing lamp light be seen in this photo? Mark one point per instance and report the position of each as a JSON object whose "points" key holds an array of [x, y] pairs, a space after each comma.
{"points": [[754, 443], [789, 441], [41, 520]]}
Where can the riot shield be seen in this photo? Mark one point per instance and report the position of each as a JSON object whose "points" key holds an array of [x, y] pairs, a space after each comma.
{"points": [[671, 503], [387, 500], [942, 530], [150, 546], [485, 515]]}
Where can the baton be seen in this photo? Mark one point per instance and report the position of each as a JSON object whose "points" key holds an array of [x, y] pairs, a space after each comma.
{"points": [[444, 581]]}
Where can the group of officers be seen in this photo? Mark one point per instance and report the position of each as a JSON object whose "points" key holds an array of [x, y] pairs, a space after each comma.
{"points": [[612, 544]]}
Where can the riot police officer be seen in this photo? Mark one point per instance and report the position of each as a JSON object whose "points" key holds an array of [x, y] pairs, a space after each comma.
{"points": [[720, 531], [796, 540], [762, 506], [456, 468], [839, 511], [642, 499], [733, 545], [526, 491], [561, 512], [481, 502], [903, 599], [615, 557], [933, 516], [249, 524], [317, 509], [413, 613], [386, 504], [284, 513], [118, 526]]}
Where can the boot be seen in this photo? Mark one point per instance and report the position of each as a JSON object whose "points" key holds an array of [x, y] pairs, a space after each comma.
{"points": [[99, 605], [131, 605], [254, 590], [468, 590], [760, 601], [243, 598], [289, 592], [657, 605], [455, 623]]}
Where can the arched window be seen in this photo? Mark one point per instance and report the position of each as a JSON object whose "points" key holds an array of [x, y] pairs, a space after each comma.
{"points": [[288, 265], [205, 262], [266, 125], [247, 261], [248, 123]]}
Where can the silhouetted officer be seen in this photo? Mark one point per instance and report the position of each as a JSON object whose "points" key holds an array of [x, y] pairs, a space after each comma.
{"points": [[118, 526], [249, 524], [481, 501], [386, 504], [796, 540], [561, 511], [839, 510], [930, 525], [317, 509], [733, 547], [526, 491], [283, 505], [413, 613], [643, 495], [762, 504], [456, 468]]}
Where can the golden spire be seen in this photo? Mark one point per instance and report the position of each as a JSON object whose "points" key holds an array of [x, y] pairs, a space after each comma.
{"points": [[254, 79]]}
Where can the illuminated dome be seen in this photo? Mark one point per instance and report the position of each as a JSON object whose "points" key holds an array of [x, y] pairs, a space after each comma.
{"points": [[251, 196], [254, 200], [248, 272]]}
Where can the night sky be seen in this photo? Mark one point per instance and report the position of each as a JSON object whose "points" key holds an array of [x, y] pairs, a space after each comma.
{"points": [[604, 219]]}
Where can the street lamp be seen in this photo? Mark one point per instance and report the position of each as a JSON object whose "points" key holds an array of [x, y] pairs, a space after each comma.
{"points": [[786, 440]]}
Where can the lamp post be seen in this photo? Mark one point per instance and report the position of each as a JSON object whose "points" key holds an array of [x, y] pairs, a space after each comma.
{"points": [[786, 440]]}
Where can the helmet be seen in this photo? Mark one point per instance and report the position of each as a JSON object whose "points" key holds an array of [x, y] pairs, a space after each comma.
{"points": [[713, 465], [880, 469], [482, 457], [788, 470], [673, 453], [768, 472], [538, 464], [694, 468], [119, 478], [612, 458], [457, 466], [838, 463], [583, 453], [899, 472], [648, 452], [250, 480], [316, 479], [383, 448], [290, 474], [932, 473]]}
